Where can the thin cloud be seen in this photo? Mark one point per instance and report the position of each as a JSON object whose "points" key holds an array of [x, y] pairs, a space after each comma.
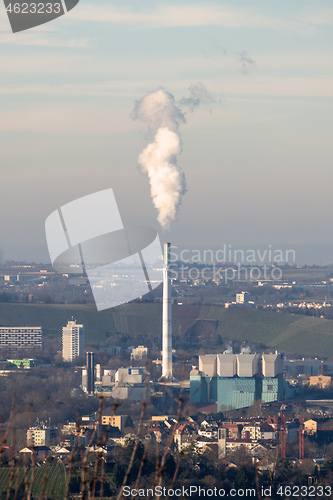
{"points": [[323, 17], [181, 16], [246, 61], [45, 41]]}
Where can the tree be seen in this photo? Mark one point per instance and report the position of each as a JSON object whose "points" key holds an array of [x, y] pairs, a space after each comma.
{"points": [[128, 422], [118, 474], [283, 471], [170, 466], [245, 476]]}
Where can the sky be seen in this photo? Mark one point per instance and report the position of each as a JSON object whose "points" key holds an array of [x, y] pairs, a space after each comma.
{"points": [[257, 157]]}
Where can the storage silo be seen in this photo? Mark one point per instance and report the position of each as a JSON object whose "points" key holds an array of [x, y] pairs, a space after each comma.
{"points": [[272, 364], [247, 365], [207, 365], [226, 365]]}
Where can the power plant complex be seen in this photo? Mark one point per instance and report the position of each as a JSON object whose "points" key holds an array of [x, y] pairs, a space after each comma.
{"points": [[231, 381], [236, 381]]}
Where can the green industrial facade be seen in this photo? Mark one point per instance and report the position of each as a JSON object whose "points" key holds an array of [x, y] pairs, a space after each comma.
{"points": [[232, 393], [237, 392], [198, 389], [272, 389], [203, 389]]}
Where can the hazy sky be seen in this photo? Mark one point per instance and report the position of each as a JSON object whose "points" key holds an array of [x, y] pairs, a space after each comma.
{"points": [[258, 161]]}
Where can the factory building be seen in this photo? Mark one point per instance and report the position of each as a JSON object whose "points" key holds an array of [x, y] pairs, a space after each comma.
{"points": [[234, 393], [93, 380], [309, 367], [238, 380], [273, 385], [274, 389], [208, 367], [198, 387], [124, 383]]}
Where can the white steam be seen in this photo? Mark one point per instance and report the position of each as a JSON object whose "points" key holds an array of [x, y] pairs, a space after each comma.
{"points": [[158, 159], [198, 95], [167, 180], [158, 109], [229, 348]]}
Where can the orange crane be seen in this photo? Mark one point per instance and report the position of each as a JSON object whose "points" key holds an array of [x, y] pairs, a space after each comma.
{"points": [[301, 439], [283, 428]]}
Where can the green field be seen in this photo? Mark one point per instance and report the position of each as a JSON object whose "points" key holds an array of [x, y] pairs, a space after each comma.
{"points": [[286, 332], [49, 480]]}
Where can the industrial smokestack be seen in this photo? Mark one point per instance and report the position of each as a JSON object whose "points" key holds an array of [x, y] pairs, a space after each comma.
{"points": [[90, 364], [167, 318]]}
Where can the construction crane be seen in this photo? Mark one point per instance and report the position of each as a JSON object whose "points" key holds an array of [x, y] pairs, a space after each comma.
{"points": [[283, 431], [301, 439]]}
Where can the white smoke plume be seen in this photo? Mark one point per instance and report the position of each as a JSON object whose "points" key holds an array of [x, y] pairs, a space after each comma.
{"points": [[158, 109], [158, 159], [246, 350], [229, 348], [167, 180], [198, 95]]}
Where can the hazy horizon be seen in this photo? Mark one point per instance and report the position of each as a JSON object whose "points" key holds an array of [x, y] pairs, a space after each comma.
{"points": [[256, 154]]}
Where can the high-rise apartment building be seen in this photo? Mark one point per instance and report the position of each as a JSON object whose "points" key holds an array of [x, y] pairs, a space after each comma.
{"points": [[41, 436], [72, 341]]}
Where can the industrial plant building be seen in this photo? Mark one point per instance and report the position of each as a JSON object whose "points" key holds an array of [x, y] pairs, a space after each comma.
{"points": [[130, 383], [124, 383], [26, 337], [308, 367], [236, 381]]}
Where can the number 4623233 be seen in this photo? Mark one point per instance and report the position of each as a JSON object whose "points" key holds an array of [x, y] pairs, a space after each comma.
{"points": [[34, 8]]}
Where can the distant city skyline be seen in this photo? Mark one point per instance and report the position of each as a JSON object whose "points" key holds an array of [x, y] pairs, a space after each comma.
{"points": [[257, 157]]}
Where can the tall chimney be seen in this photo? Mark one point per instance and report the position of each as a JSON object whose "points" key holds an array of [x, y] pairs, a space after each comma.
{"points": [[167, 318], [90, 364]]}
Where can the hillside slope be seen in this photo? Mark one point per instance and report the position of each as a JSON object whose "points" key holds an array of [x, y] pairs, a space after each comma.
{"points": [[194, 327]]}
